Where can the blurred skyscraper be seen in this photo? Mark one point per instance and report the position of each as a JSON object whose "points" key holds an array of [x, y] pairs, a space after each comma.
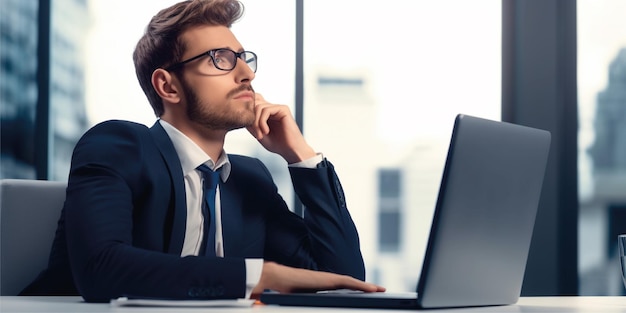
{"points": [[609, 149], [608, 154], [19, 86], [68, 117]]}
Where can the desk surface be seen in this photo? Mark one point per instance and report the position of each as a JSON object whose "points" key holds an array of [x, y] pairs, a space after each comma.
{"points": [[525, 304]]}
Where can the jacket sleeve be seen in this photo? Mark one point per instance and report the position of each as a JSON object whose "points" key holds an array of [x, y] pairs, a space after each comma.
{"points": [[331, 242]]}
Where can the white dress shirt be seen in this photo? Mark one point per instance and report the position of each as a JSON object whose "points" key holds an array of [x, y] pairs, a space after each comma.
{"points": [[191, 156]]}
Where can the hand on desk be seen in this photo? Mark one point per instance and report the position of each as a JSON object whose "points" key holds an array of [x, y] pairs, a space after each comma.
{"points": [[286, 279]]}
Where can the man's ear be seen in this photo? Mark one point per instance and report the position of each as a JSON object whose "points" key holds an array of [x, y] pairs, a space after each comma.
{"points": [[166, 85]]}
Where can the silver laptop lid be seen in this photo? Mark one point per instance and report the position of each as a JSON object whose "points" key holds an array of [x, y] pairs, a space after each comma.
{"points": [[483, 223]]}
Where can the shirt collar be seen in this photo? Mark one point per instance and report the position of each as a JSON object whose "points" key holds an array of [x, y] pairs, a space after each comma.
{"points": [[191, 155]]}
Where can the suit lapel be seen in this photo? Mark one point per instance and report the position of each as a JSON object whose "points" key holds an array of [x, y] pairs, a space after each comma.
{"points": [[170, 157]]}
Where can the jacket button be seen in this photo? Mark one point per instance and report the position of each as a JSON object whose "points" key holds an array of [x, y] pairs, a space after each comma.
{"points": [[192, 292]]}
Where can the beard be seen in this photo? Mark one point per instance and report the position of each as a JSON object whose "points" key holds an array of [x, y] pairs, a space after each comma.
{"points": [[220, 118]]}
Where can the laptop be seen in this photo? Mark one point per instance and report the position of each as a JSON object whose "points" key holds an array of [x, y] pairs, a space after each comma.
{"points": [[482, 225]]}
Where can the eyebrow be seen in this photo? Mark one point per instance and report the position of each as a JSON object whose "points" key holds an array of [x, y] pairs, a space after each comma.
{"points": [[229, 48]]}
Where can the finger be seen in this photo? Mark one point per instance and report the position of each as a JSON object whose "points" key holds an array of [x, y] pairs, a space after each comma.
{"points": [[332, 281], [260, 123], [355, 284], [374, 288], [266, 113], [260, 127], [255, 129]]}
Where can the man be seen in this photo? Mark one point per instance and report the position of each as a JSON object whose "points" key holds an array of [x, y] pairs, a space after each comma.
{"points": [[135, 220]]}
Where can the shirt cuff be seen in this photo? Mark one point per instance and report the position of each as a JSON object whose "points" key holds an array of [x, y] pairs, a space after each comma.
{"points": [[310, 162], [254, 268]]}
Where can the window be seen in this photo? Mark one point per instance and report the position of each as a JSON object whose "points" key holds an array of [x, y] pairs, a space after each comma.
{"points": [[382, 85], [68, 119], [602, 143]]}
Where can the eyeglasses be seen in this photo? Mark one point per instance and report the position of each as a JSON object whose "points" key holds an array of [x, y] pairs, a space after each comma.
{"points": [[223, 59]]}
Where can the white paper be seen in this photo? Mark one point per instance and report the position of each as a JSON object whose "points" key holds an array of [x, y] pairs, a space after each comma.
{"points": [[124, 301]]}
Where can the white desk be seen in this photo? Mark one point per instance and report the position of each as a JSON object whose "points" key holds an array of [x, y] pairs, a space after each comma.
{"points": [[525, 304]]}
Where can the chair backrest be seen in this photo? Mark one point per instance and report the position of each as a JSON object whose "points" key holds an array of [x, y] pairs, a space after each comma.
{"points": [[29, 212]]}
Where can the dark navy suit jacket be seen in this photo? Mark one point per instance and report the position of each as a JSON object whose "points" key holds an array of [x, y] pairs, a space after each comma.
{"points": [[123, 224]]}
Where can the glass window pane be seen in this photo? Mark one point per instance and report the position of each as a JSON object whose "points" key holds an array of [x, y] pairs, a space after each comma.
{"points": [[389, 214], [389, 183], [382, 87], [18, 87], [602, 143], [68, 118], [389, 227]]}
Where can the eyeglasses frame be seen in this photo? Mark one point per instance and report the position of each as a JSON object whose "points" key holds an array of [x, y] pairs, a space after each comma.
{"points": [[211, 54]]}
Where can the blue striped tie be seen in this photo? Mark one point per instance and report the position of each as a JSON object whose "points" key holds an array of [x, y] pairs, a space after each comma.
{"points": [[209, 187]]}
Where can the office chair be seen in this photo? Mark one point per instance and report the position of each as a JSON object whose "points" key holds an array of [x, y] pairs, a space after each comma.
{"points": [[29, 212]]}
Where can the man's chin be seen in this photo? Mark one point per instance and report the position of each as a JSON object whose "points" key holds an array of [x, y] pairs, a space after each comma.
{"points": [[236, 127], [241, 124]]}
